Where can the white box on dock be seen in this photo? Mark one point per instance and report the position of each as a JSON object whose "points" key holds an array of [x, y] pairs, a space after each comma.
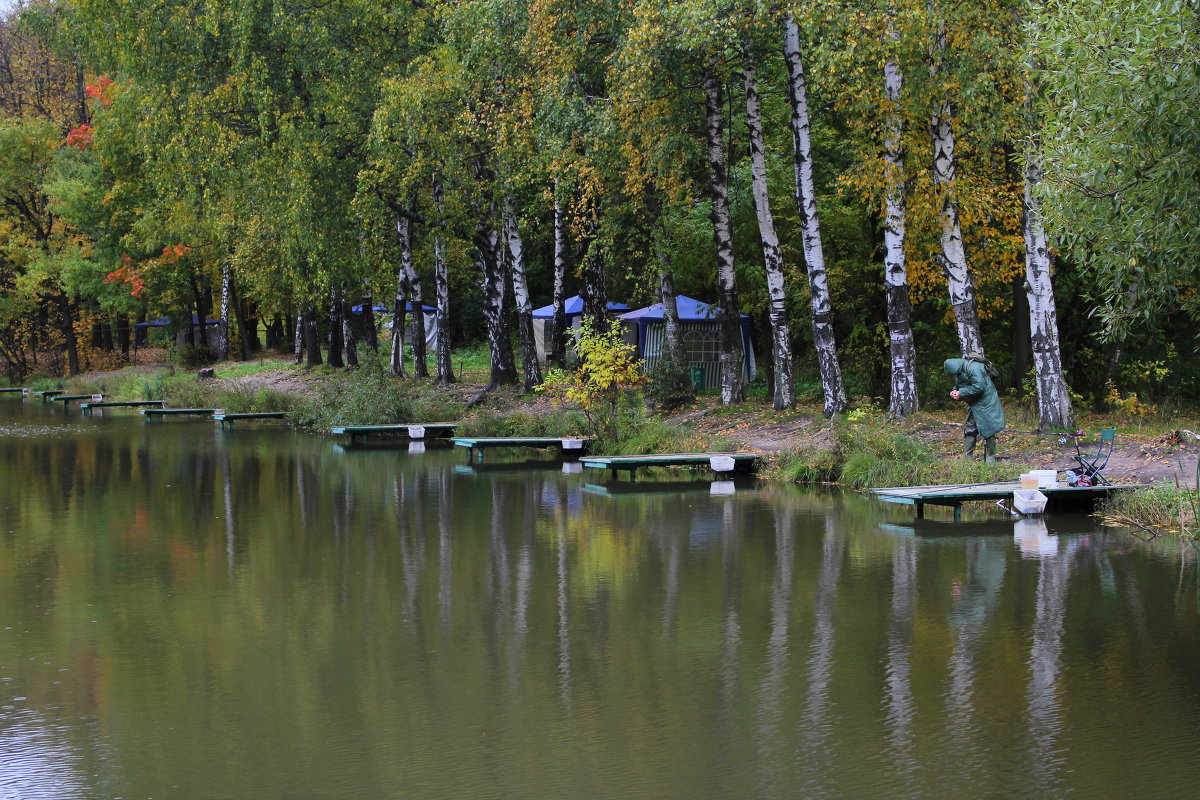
{"points": [[572, 444], [1029, 501], [721, 464], [1045, 477], [416, 431]]}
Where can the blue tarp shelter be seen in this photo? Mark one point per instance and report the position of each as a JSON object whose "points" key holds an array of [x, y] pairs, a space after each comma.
{"points": [[701, 331], [572, 312]]}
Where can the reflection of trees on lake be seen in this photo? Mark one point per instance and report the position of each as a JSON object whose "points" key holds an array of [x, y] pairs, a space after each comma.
{"points": [[899, 705], [772, 694], [1045, 663]]}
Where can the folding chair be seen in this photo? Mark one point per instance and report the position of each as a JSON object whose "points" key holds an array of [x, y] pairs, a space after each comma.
{"points": [[1093, 465]]}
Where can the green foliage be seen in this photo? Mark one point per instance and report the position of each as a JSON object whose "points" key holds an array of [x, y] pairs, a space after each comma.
{"points": [[555, 423], [370, 395], [670, 386], [1167, 508]]}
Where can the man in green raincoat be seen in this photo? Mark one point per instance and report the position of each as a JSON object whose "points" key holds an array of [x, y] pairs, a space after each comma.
{"points": [[973, 385]]}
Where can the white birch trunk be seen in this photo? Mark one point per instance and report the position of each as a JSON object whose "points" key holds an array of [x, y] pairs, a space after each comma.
{"points": [[806, 202], [415, 296], [784, 393], [556, 350], [396, 356], [298, 340], [223, 332], [441, 279], [1054, 402], [733, 357], [491, 273], [531, 369], [904, 400], [953, 258]]}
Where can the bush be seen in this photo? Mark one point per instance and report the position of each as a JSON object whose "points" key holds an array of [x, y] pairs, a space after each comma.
{"points": [[670, 386], [371, 395], [556, 423]]}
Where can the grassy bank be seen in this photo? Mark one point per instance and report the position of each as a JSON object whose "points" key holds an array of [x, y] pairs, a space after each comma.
{"points": [[1160, 509]]}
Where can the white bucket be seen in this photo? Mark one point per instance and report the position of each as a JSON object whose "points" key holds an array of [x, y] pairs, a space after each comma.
{"points": [[97, 398], [572, 444], [721, 464], [1029, 501], [416, 431], [1045, 477]]}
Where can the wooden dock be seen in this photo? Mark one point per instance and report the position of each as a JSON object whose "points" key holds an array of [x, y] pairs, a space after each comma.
{"points": [[152, 414], [87, 408], [479, 444], [12, 390], [67, 399], [1059, 498], [226, 420], [47, 394], [412, 430], [738, 462]]}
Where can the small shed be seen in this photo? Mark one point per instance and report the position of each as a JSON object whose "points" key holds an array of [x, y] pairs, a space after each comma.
{"points": [[701, 330], [543, 318]]}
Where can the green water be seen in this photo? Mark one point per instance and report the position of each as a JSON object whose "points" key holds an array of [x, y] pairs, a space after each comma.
{"points": [[190, 613]]}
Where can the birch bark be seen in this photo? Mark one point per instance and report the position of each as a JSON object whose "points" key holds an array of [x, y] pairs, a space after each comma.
{"points": [[441, 278], [904, 400], [733, 389], [953, 258], [336, 333], [1053, 399], [396, 355], [349, 337], [806, 202], [557, 348], [415, 295], [223, 328], [530, 367], [784, 390], [491, 273]]}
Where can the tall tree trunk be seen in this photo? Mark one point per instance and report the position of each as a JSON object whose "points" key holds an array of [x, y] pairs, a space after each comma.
{"points": [[372, 332], [1020, 345], [197, 322], [349, 337], [784, 390], [953, 258], [223, 333], [242, 306], [557, 345], [336, 332], [404, 234], [70, 341], [733, 357], [592, 287], [106, 336], [516, 253], [904, 399], [491, 274], [672, 332], [299, 339], [814, 252], [123, 333], [441, 279], [413, 281], [1053, 399], [312, 342]]}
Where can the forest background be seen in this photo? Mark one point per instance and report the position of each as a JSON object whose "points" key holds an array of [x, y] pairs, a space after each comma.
{"points": [[879, 186]]}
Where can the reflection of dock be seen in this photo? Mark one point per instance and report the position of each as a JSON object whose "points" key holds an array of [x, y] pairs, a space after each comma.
{"points": [[411, 445], [1061, 498], [529, 465], [646, 488]]}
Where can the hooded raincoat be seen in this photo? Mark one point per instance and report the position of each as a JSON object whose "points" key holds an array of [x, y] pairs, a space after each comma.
{"points": [[976, 388]]}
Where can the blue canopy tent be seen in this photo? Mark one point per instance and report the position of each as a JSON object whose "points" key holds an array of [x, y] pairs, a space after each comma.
{"points": [[701, 331], [429, 312], [572, 312]]}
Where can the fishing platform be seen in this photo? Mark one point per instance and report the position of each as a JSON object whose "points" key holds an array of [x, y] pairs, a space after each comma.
{"points": [[477, 444], [1058, 498], [47, 394], [226, 420], [87, 408], [152, 414], [720, 463], [67, 399], [413, 430], [12, 390]]}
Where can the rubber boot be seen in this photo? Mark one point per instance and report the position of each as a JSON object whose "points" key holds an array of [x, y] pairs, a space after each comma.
{"points": [[989, 449], [969, 446]]}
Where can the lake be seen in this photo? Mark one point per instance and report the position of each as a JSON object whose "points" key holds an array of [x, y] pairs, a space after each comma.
{"points": [[257, 613]]}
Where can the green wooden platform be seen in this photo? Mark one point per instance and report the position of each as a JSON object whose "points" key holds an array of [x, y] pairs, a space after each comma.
{"points": [[152, 414], [86, 408], [226, 420], [477, 444], [1059, 498], [413, 430], [12, 389], [742, 462], [47, 394], [67, 399]]}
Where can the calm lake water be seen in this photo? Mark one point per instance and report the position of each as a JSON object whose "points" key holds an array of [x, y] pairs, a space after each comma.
{"points": [[191, 613]]}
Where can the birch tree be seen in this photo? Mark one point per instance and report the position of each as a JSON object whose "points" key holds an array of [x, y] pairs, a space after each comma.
{"points": [[806, 202], [516, 259]]}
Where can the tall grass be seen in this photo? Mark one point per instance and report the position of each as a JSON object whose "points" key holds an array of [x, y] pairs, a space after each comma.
{"points": [[370, 395]]}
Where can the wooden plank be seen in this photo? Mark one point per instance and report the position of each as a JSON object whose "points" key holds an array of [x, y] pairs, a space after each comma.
{"points": [[956, 495], [517, 441], [227, 420], [663, 459], [121, 404], [158, 413], [413, 430], [66, 399], [11, 389]]}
